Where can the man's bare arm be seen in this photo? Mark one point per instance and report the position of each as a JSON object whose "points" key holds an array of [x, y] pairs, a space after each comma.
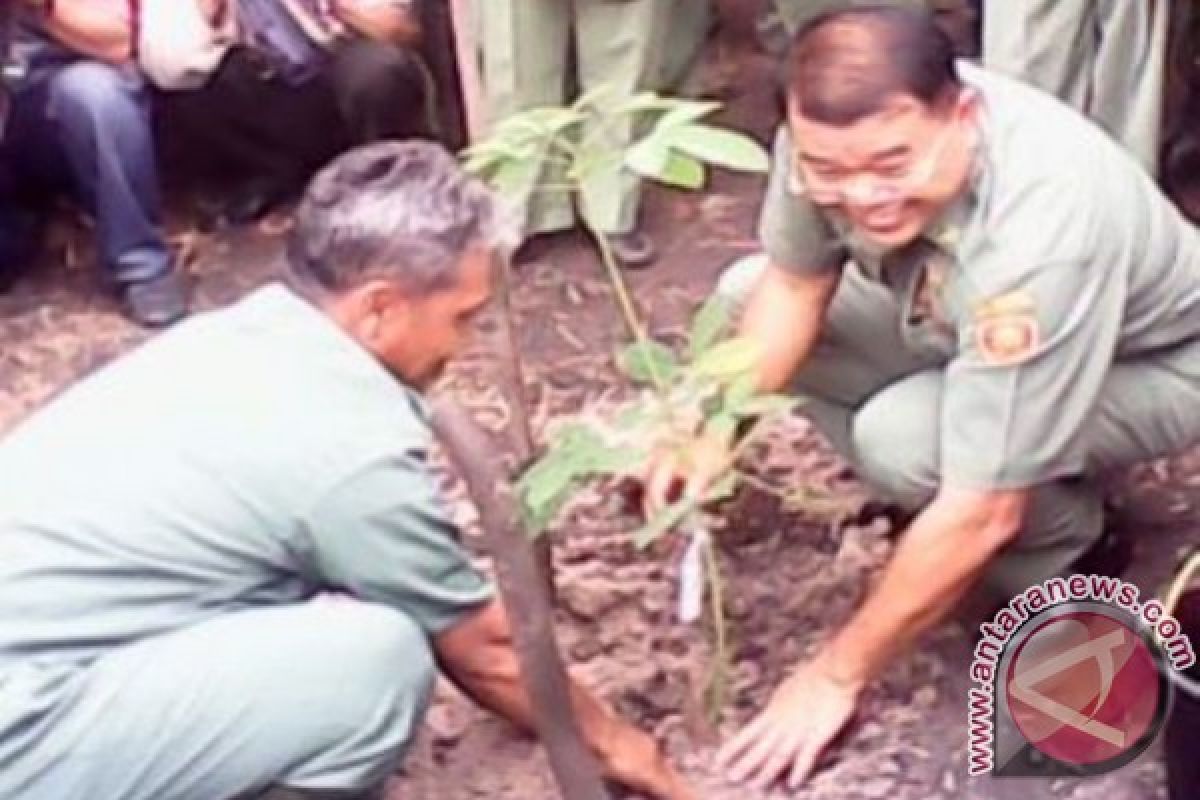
{"points": [[478, 655], [938, 559], [785, 314]]}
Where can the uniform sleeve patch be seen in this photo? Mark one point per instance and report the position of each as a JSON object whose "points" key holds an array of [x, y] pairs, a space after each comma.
{"points": [[1006, 328], [1007, 338]]}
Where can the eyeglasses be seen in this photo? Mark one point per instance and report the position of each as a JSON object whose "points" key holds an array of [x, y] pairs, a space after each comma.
{"points": [[838, 186]]}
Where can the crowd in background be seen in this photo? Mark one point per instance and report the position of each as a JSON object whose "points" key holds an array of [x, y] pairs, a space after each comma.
{"points": [[260, 93]]}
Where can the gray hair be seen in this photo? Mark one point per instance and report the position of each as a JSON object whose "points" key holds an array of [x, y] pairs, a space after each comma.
{"points": [[403, 212]]}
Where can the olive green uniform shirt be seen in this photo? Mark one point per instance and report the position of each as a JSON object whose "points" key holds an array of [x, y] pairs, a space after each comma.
{"points": [[249, 458], [1060, 259]]}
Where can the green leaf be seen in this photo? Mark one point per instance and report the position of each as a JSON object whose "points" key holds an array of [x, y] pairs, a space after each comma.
{"points": [[662, 522], [644, 103], [723, 488], [599, 206], [593, 160], [729, 359], [543, 491], [577, 454], [550, 119], [548, 478], [740, 391], [649, 157], [600, 97], [684, 112], [708, 324], [724, 148], [480, 162], [515, 178], [647, 362], [683, 171], [766, 404], [634, 416], [721, 426], [671, 516]]}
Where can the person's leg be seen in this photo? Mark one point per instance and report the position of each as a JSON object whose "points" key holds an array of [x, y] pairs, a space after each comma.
{"points": [[896, 450], [619, 45], [1050, 44], [102, 126], [525, 45], [1145, 410], [382, 91], [23, 189], [1129, 79], [321, 698], [879, 405], [692, 22]]}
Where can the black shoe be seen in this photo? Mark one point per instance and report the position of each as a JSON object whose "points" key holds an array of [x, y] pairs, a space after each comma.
{"points": [[158, 302], [633, 250]]}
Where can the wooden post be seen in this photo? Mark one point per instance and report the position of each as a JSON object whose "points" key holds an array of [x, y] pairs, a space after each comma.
{"points": [[524, 596], [513, 371], [466, 47]]}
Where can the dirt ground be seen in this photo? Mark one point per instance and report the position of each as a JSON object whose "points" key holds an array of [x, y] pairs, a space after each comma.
{"points": [[792, 577]]}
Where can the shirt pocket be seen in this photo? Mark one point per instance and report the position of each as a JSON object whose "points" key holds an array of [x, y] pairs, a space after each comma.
{"points": [[928, 323]]}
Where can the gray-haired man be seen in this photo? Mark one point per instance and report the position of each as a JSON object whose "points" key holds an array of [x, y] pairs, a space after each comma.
{"points": [[167, 528]]}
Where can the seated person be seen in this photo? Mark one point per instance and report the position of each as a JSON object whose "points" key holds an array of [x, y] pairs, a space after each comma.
{"points": [[79, 123], [350, 76]]}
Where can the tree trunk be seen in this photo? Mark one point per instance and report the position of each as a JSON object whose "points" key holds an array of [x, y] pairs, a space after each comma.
{"points": [[524, 595]]}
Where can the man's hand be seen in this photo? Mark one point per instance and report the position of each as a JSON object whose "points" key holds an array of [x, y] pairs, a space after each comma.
{"points": [[684, 472], [478, 655], [805, 714], [636, 761], [938, 559]]}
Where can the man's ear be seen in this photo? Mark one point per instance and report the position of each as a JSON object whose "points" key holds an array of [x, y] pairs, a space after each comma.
{"points": [[383, 303], [364, 310], [967, 104]]}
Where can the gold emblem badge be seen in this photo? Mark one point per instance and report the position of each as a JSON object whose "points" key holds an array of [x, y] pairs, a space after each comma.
{"points": [[1006, 328]]}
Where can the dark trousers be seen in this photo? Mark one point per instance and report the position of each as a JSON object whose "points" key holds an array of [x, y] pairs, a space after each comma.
{"points": [[83, 127], [248, 123]]}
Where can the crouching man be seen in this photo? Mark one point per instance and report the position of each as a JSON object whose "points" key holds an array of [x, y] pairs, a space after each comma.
{"points": [[167, 527], [985, 303]]}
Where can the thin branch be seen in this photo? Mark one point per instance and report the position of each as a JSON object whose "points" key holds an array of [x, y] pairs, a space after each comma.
{"points": [[721, 663], [574, 765]]}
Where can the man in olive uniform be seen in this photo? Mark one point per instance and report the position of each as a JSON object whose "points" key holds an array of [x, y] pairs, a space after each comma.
{"points": [[1106, 58], [169, 528], [527, 51], [984, 301]]}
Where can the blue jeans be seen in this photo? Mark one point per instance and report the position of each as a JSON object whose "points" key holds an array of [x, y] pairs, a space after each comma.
{"points": [[83, 127]]}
